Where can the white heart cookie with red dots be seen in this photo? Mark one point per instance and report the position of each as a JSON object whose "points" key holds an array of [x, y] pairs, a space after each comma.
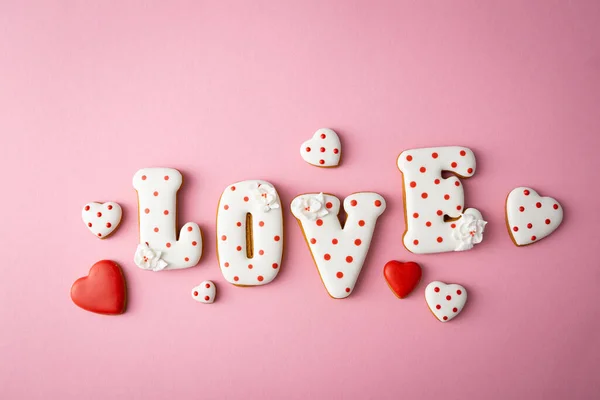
{"points": [[445, 301], [531, 217], [102, 218], [323, 150], [205, 292]]}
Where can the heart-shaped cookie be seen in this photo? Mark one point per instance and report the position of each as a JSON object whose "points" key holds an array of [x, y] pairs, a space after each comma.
{"points": [[401, 277], [445, 301], [323, 150], [530, 217], [205, 292], [103, 291], [102, 218]]}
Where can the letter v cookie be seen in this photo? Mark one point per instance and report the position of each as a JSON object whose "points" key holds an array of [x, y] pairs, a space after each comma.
{"points": [[159, 247]]}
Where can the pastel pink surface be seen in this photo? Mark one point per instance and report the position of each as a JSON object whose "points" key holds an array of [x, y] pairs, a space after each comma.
{"points": [[93, 91]]}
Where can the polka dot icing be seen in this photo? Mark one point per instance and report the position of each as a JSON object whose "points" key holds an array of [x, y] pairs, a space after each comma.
{"points": [[432, 197], [205, 292], [323, 150], [339, 253], [157, 203], [445, 301], [242, 263], [530, 216], [102, 218]]}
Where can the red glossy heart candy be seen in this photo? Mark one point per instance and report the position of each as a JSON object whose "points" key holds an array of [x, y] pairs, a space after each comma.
{"points": [[103, 291], [402, 278]]}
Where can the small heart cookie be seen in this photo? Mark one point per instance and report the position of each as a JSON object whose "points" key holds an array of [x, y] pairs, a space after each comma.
{"points": [[103, 291], [530, 217], [205, 292], [402, 278], [445, 301], [323, 150], [102, 218]]}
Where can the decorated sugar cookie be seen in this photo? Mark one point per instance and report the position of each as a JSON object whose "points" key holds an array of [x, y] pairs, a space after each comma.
{"points": [[445, 301], [436, 220], [530, 217], [250, 233], [103, 291], [205, 292], [101, 218], [159, 248], [401, 277], [323, 150], [339, 253]]}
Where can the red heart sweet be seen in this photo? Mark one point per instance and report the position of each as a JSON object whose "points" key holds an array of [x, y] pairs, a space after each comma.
{"points": [[402, 278], [103, 291]]}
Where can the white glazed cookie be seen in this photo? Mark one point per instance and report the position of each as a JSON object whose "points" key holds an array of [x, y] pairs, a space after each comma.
{"points": [[445, 301], [531, 217], [250, 233], [339, 253], [102, 218], [428, 198], [205, 292], [157, 209], [323, 150]]}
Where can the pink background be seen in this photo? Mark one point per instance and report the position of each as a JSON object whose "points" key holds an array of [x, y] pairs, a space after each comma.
{"points": [[225, 91]]}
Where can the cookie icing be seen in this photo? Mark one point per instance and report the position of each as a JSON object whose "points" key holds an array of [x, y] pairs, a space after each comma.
{"points": [[159, 248], [339, 253], [323, 150], [250, 209], [429, 199], [103, 291], [445, 301], [102, 218], [205, 292], [531, 217]]}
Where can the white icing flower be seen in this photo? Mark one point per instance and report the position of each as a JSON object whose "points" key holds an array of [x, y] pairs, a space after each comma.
{"points": [[267, 195], [469, 231], [146, 258], [312, 207]]}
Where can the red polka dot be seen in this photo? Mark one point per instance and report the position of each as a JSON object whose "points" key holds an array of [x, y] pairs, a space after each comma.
{"points": [[516, 229], [108, 224], [155, 194], [319, 222], [238, 223], [335, 151], [276, 238], [440, 239], [413, 184], [233, 188], [538, 204], [323, 136], [327, 257], [321, 162], [328, 204], [308, 149], [168, 245], [463, 153], [459, 207], [555, 206], [187, 259], [424, 195], [195, 293], [428, 224], [226, 207], [529, 226], [361, 223], [547, 222], [207, 285], [194, 243], [99, 214], [456, 183], [408, 158], [235, 278], [90, 224], [99, 235], [459, 292], [166, 177], [347, 290], [358, 242], [533, 238], [448, 297], [470, 171], [261, 252], [436, 289], [275, 265], [416, 242], [313, 241], [143, 177], [250, 266], [521, 208], [147, 211], [446, 197], [339, 275], [189, 228], [437, 181], [378, 203], [416, 215], [166, 212], [155, 229], [422, 169], [322, 149], [454, 165], [109, 207], [87, 208], [334, 241], [445, 318], [349, 259], [239, 248], [246, 198], [437, 306], [434, 155], [261, 223], [526, 192], [353, 203], [206, 298], [226, 265], [455, 309], [452, 226], [440, 212]]}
